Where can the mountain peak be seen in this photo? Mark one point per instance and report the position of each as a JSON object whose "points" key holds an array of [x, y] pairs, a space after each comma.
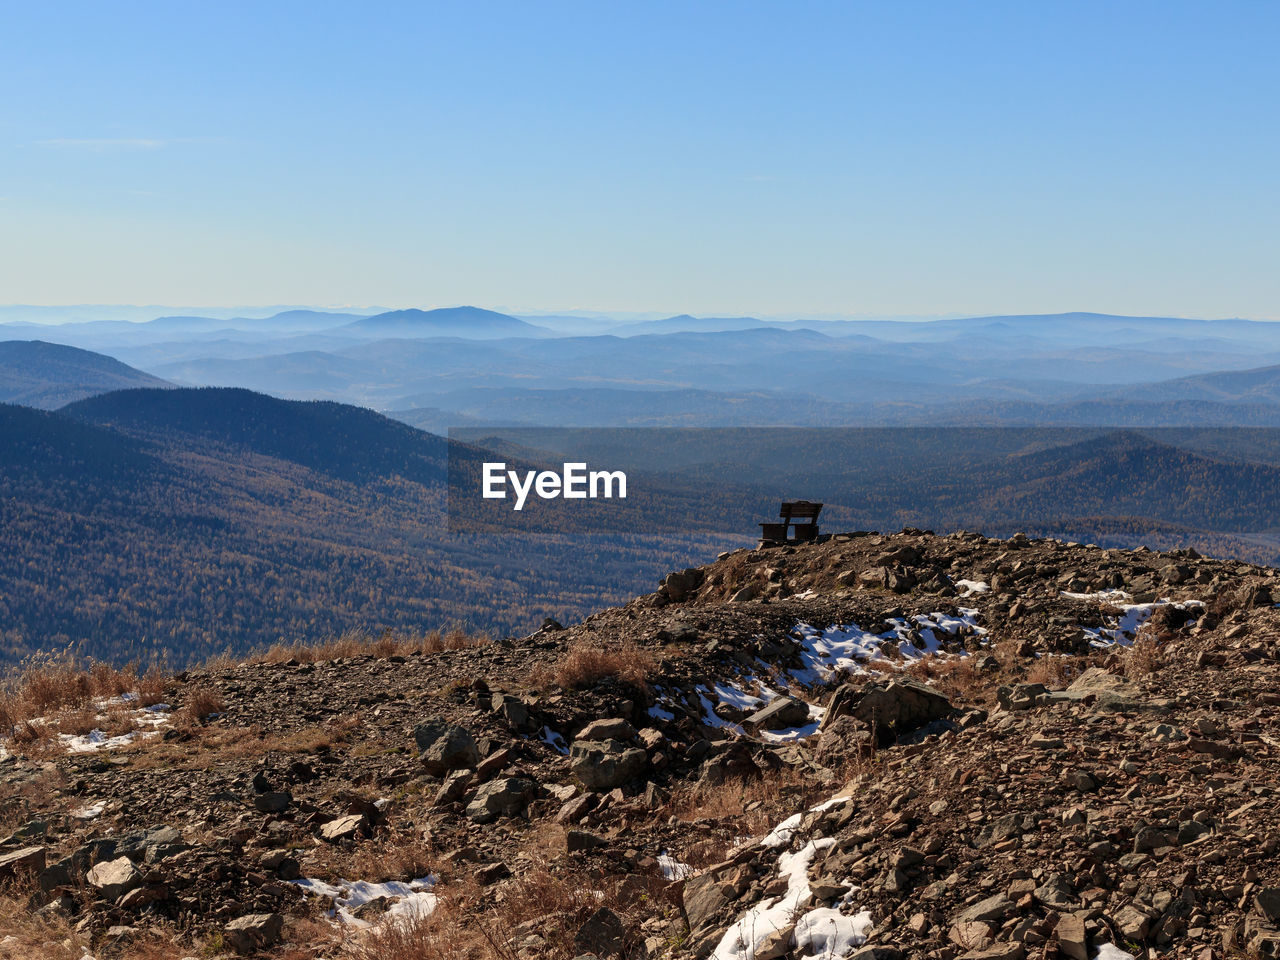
{"points": [[465, 321]]}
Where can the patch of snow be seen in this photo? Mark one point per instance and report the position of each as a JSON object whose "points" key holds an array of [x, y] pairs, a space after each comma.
{"points": [[970, 587], [96, 740], [660, 714], [826, 932], [1109, 951], [89, 812], [727, 693], [791, 734], [147, 718], [781, 835], [673, 869], [555, 741], [819, 934], [744, 938], [1103, 596], [846, 648], [410, 900]]}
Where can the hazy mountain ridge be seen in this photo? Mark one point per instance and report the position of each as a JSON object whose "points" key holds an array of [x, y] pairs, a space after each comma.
{"points": [[48, 375]]}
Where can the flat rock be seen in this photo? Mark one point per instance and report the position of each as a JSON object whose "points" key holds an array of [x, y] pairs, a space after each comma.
{"points": [[114, 878], [781, 714]]}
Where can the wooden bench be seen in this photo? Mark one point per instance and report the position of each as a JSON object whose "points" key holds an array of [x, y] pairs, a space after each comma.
{"points": [[799, 523]]}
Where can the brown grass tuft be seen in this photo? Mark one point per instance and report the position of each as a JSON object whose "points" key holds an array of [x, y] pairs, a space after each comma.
{"points": [[57, 693], [201, 702], [583, 665], [1054, 671], [361, 643], [1145, 656], [957, 677]]}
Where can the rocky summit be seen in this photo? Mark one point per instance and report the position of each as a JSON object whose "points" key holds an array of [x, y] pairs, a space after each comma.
{"points": [[877, 746]]}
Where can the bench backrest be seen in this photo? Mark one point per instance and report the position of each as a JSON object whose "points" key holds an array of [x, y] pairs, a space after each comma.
{"points": [[800, 510]]}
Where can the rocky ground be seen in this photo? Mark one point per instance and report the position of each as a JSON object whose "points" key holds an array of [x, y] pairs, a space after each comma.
{"points": [[876, 746]]}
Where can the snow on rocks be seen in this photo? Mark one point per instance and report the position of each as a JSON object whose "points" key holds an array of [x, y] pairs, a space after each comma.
{"points": [[1133, 616], [96, 740], [778, 923], [673, 869], [1109, 951], [772, 917], [826, 932], [848, 648], [90, 811], [555, 741], [148, 719], [354, 901]]}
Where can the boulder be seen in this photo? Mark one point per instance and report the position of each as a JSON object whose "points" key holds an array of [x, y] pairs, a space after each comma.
{"points": [[602, 934], [445, 746], [1132, 923], [1267, 902], [1021, 696], [605, 764], [513, 710], [1072, 941], [28, 859], [991, 910], [345, 828], [114, 878], [253, 932], [576, 840], [274, 801], [607, 729], [505, 797], [704, 896], [681, 584], [890, 707], [454, 788]]}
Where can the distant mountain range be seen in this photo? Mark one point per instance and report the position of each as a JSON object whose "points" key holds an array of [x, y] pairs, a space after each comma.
{"points": [[470, 365], [468, 322], [49, 375]]}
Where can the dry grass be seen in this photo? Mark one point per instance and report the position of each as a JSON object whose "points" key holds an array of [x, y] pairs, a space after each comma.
{"points": [[388, 856], [472, 922], [49, 684], [201, 702], [203, 745], [743, 808], [54, 694], [1145, 656], [1055, 671], [957, 677], [584, 664], [33, 937], [361, 643]]}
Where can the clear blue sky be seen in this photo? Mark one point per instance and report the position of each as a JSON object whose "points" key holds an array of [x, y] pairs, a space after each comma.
{"points": [[895, 158]]}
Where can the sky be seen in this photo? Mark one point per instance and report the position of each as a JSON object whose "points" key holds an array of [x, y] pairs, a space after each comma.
{"points": [[785, 159]]}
